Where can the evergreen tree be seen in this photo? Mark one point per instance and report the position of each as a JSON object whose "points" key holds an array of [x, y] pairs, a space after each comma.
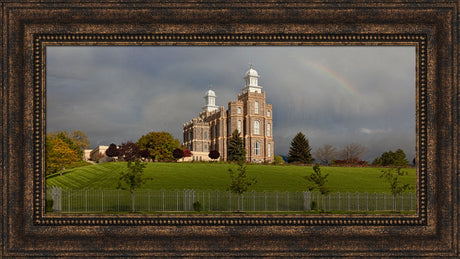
{"points": [[236, 147], [300, 150]]}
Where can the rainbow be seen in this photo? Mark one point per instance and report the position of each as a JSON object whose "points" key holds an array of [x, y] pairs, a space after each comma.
{"points": [[342, 82]]}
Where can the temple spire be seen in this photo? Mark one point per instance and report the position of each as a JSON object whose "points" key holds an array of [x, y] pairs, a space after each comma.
{"points": [[251, 79], [210, 100]]}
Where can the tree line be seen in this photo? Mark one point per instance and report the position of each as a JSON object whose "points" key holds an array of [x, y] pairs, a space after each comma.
{"points": [[300, 152]]}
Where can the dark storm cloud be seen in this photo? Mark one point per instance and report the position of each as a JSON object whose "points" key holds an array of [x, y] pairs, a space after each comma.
{"points": [[336, 95]]}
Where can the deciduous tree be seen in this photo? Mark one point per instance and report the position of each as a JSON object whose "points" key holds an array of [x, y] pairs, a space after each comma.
{"points": [[80, 139], [300, 150], [277, 160], [77, 140], [129, 151], [187, 153], [317, 181], [240, 182], [112, 151], [353, 152], [132, 179], [59, 154], [159, 144], [392, 175], [390, 158], [325, 154], [214, 154], [178, 153]]}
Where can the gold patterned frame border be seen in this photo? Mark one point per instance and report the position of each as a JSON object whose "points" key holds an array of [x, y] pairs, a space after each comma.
{"points": [[27, 231], [41, 41]]}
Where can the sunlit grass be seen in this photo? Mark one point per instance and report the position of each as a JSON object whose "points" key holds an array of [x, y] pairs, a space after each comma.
{"points": [[215, 176]]}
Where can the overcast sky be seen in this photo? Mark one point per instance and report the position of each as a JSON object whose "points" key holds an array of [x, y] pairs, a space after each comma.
{"points": [[334, 95]]}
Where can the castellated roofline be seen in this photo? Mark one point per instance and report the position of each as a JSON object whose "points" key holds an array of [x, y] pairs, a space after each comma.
{"points": [[235, 102], [247, 93]]}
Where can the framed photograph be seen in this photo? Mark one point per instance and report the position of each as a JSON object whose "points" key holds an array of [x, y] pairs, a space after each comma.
{"points": [[154, 96], [230, 129]]}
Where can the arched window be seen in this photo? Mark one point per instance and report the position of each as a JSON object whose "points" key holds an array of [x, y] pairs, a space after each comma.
{"points": [[205, 135], [257, 148], [205, 147], [268, 129], [239, 110], [269, 114], [239, 126], [256, 107], [256, 127], [269, 150]]}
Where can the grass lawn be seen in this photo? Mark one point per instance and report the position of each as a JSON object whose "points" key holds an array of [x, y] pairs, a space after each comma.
{"points": [[215, 176]]}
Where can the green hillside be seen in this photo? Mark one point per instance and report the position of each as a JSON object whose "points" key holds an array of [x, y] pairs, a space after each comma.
{"points": [[214, 176]]}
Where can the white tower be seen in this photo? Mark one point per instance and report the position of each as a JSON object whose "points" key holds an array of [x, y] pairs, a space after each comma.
{"points": [[210, 100], [251, 78]]}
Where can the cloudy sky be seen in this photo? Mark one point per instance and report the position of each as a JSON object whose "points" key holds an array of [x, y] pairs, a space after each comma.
{"points": [[334, 95]]}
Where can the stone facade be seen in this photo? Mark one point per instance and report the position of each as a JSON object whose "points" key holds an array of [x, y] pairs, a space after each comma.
{"points": [[99, 150], [87, 154], [250, 114]]}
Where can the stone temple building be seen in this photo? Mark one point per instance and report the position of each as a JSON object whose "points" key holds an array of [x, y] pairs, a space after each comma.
{"points": [[249, 114]]}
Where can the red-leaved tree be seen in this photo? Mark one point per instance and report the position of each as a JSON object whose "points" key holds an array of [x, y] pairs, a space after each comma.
{"points": [[112, 151], [187, 153], [178, 153], [214, 154], [129, 151]]}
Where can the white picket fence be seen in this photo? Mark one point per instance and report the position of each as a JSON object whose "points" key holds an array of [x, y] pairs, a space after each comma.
{"points": [[86, 200]]}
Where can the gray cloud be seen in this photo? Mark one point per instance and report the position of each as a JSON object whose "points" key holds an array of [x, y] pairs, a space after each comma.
{"points": [[335, 95]]}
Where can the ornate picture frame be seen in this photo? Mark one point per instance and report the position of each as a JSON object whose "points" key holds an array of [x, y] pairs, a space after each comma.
{"points": [[28, 27]]}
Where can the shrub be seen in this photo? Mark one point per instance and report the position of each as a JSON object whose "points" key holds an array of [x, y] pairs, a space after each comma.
{"points": [[214, 154], [278, 160], [314, 205], [197, 206], [178, 153], [49, 205], [350, 162], [187, 153]]}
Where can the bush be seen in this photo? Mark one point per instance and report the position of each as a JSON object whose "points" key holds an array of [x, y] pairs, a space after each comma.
{"points": [[197, 206], [214, 154], [314, 205], [178, 153], [350, 162], [49, 205], [278, 160]]}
